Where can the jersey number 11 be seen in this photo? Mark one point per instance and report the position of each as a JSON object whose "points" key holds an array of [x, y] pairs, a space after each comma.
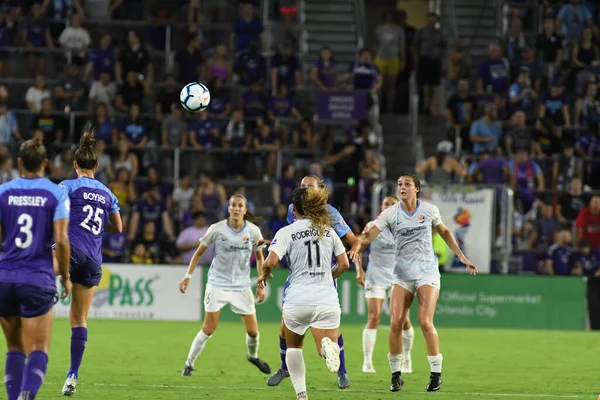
{"points": [[318, 251]]}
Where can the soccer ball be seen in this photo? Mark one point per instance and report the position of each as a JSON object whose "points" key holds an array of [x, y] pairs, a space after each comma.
{"points": [[195, 97]]}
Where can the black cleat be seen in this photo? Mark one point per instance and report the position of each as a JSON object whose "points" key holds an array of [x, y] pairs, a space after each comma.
{"points": [[435, 381], [187, 371], [397, 382], [261, 365]]}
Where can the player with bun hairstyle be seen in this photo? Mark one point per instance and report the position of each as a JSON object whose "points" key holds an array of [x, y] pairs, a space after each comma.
{"points": [[310, 299], [229, 280], [33, 211], [416, 272], [93, 206]]}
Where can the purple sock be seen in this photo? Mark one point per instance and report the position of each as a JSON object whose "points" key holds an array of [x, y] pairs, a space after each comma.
{"points": [[282, 350], [342, 355], [33, 374], [78, 341], [13, 373]]}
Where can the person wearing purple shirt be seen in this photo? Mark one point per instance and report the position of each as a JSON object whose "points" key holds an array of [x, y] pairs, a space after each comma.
{"points": [[246, 29], [114, 246], [250, 65], [102, 59], [36, 34], [363, 74], [255, 101], [93, 206], [586, 261], [491, 169], [324, 72], [284, 186], [527, 174], [220, 102], [493, 75], [151, 208], [187, 241], [33, 210], [286, 68], [559, 256], [282, 105], [134, 129], [203, 131]]}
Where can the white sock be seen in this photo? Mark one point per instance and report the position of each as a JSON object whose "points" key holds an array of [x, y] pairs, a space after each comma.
{"points": [[252, 345], [408, 337], [395, 362], [369, 339], [295, 363], [436, 363], [197, 347]]}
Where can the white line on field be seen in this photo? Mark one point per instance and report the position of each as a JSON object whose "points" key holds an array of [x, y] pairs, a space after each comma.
{"points": [[475, 394]]}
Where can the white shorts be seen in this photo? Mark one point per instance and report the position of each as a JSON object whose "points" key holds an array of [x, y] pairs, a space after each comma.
{"points": [[240, 302], [413, 285], [377, 291], [299, 318]]}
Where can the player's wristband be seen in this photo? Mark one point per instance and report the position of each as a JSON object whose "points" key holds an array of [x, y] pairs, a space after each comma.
{"points": [[187, 276]]}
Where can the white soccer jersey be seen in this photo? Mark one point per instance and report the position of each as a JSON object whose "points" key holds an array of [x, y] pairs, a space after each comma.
{"points": [[310, 282], [230, 268], [415, 258], [382, 258]]}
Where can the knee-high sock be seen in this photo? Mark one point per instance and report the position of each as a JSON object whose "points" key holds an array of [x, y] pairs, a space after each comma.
{"points": [[408, 337], [369, 339], [342, 355], [282, 353], [252, 345], [13, 373], [79, 338], [196, 348], [395, 362], [435, 363], [33, 374], [297, 369]]}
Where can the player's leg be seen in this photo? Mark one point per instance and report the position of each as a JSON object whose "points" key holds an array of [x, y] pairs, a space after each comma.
{"points": [[242, 303], [427, 297], [374, 305], [15, 345], [400, 301], [408, 337], [295, 325], [325, 327], [282, 372], [343, 381]]}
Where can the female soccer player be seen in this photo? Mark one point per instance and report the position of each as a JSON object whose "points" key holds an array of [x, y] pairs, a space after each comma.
{"points": [[229, 279], [93, 205], [378, 284], [310, 299], [32, 211], [416, 272]]}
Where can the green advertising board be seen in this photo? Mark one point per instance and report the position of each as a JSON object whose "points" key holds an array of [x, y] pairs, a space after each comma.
{"points": [[495, 301]]}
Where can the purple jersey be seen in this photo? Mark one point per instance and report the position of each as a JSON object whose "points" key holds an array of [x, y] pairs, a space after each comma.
{"points": [[28, 209], [92, 203], [282, 106], [364, 75], [326, 73]]}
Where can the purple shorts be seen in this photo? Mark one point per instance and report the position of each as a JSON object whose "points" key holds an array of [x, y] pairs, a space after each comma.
{"points": [[84, 270], [27, 301]]}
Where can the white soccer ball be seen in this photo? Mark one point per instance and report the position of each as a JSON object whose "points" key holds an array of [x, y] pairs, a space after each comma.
{"points": [[195, 97]]}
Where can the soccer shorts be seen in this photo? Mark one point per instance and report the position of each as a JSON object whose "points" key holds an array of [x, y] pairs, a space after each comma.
{"points": [[388, 66], [83, 270], [377, 291], [299, 318], [27, 301], [413, 285], [240, 302]]}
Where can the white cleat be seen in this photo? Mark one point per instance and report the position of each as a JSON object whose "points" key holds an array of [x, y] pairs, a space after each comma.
{"points": [[302, 396], [368, 369], [407, 366], [69, 388], [331, 354]]}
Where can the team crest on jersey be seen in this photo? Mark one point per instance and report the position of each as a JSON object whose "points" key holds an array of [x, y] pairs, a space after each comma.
{"points": [[421, 219], [245, 240]]}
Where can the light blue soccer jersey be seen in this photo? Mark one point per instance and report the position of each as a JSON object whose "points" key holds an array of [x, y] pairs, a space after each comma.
{"points": [[340, 226]]}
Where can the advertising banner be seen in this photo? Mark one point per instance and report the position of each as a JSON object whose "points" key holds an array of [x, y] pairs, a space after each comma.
{"points": [[341, 105], [142, 292]]}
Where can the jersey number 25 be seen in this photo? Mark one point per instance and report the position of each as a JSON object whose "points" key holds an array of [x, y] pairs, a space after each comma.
{"points": [[96, 215]]}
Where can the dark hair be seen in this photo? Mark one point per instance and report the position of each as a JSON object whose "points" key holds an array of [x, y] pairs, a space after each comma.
{"points": [[32, 154], [416, 182], [85, 156], [311, 204], [249, 216], [365, 50]]}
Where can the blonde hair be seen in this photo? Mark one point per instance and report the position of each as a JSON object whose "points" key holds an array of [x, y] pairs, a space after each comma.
{"points": [[311, 204]]}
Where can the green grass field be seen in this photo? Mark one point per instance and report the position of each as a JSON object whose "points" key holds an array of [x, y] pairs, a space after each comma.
{"points": [[143, 360]]}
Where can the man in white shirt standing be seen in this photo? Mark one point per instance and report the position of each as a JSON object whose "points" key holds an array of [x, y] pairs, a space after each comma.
{"points": [[76, 39]]}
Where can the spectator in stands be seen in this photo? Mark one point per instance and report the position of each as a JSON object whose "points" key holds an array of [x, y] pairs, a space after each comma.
{"points": [[183, 194], [559, 257], [51, 124], [105, 127], [239, 139], [527, 174], [62, 165], [306, 141], [585, 52], [9, 128], [7, 172], [588, 223], [101, 9], [105, 91], [168, 96], [282, 107], [428, 48], [189, 61], [114, 247], [364, 75], [547, 141], [519, 137], [587, 262], [285, 185], [250, 65], [101, 59], [139, 254], [133, 128], [515, 42], [212, 195], [278, 220], [246, 29], [324, 71], [255, 104], [36, 34], [566, 167], [11, 9], [459, 62], [549, 44], [460, 113], [491, 168], [587, 107], [569, 204], [151, 208], [542, 235], [493, 75], [346, 158], [76, 40], [135, 57], [219, 107], [130, 93], [522, 96], [202, 135], [174, 128], [122, 188], [554, 105], [391, 53], [485, 133], [286, 68], [442, 168], [7, 26], [36, 93], [535, 67], [62, 9], [69, 91], [187, 241], [151, 242], [219, 66], [573, 18], [161, 13], [268, 142], [104, 173]]}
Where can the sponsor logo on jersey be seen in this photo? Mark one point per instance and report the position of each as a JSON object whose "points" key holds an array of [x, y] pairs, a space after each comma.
{"points": [[421, 219]]}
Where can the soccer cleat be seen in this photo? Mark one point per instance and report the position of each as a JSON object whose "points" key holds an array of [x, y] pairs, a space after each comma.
{"points": [[343, 381], [397, 382], [407, 366], [330, 354], [261, 365], [302, 396], [187, 371], [367, 368], [277, 377], [69, 388], [435, 381]]}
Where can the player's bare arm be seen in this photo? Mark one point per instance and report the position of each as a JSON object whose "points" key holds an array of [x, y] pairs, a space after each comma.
{"points": [[362, 241], [451, 242]]}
